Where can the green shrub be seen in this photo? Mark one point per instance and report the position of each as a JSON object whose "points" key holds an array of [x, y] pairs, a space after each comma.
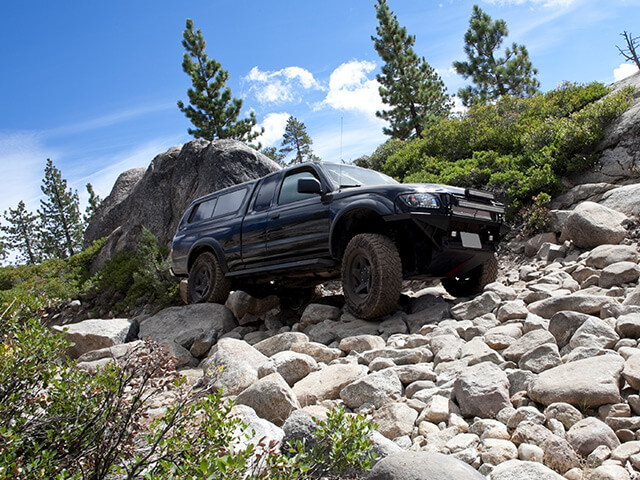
{"points": [[59, 422], [519, 146], [139, 277]]}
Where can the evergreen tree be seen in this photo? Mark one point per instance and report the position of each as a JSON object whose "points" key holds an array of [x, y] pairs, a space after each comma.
{"points": [[93, 203], [212, 109], [408, 84], [297, 140], [274, 154], [493, 76], [59, 215], [22, 233]]}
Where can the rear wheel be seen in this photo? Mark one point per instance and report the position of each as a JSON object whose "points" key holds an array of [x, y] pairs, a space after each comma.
{"points": [[207, 282], [473, 281], [371, 275]]}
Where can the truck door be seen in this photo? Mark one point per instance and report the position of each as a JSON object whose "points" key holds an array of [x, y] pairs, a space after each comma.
{"points": [[298, 222], [254, 224]]}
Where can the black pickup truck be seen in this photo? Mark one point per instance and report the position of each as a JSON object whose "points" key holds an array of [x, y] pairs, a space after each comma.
{"points": [[303, 225]]}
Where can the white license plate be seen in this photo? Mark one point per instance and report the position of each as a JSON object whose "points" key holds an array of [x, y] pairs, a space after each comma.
{"points": [[470, 240]]}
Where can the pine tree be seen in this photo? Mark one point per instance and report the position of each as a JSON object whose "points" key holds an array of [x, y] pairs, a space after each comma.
{"points": [[212, 109], [493, 77], [274, 154], [409, 85], [297, 140], [59, 215], [93, 203], [22, 234]]}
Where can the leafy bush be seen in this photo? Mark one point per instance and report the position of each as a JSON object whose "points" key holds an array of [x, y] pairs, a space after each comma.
{"points": [[517, 146], [30, 289], [59, 422], [140, 277]]}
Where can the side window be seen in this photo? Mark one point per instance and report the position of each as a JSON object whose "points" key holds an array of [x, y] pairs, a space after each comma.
{"points": [[229, 202], [265, 194], [203, 210], [289, 191]]}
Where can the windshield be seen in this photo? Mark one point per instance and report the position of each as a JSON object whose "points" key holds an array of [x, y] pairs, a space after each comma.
{"points": [[350, 176]]}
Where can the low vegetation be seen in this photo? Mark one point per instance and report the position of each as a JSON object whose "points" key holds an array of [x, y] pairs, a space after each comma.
{"points": [[60, 422], [518, 147]]}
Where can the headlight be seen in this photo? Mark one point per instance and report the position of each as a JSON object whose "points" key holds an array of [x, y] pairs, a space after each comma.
{"points": [[421, 200]]}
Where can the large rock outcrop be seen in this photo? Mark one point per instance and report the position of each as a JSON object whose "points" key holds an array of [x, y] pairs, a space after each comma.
{"points": [[619, 152], [157, 198]]}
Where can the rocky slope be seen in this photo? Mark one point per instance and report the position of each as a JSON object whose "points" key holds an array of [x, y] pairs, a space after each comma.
{"points": [[537, 377]]}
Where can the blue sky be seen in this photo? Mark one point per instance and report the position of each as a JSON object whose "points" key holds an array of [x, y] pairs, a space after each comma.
{"points": [[94, 85]]}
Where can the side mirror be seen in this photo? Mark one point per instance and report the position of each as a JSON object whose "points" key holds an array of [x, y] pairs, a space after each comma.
{"points": [[309, 185]]}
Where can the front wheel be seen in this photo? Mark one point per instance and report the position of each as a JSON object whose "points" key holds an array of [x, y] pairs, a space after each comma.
{"points": [[473, 281], [371, 275], [207, 282]]}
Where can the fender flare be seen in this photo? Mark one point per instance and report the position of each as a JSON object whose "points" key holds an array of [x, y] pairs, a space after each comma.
{"points": [[207, 244], [380, 206]]}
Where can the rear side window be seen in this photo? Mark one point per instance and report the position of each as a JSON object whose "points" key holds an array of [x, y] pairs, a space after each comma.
{"points": [[203, 210], [218, 206], [229, 202]]}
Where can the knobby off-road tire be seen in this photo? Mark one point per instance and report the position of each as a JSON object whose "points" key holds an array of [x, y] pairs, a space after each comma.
{"points": [[473, 281], [371, 275], [207, 282]]}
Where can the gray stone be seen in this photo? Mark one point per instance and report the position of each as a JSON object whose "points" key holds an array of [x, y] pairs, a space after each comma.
{"points": [[271, 398], [280, 343], [395, 420], [591, 225], [534, 243], [292, 366], [422, 465], [628, 325], [327, 383], [404, 356], [496, 451], [377, 389], [204, 321], [522, 470], [605, 255], [512, 310], [158, 197], [541, 358], [564, 324], [482, 390], [96, 334], [559, 455], [526, 343], [631, 371], [233, 365], [590, 382], [477, 307], [526, 414], [567, 414], [248, 309], [361, 343], [619, 273], [318, 313], [590, 433], [320, 352], [577, 302], [594, 333]]}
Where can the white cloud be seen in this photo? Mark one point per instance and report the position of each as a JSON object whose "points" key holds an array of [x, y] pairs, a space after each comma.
{"points": [[623, 71], [23, 158], [281, 86], [274, 125], [350, 88]]}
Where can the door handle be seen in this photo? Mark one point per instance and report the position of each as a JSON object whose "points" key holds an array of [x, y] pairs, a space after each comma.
{"points": [[275, 217]]}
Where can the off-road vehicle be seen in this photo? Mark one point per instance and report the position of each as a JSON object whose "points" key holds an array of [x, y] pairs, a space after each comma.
{"points": [[303, 225]]}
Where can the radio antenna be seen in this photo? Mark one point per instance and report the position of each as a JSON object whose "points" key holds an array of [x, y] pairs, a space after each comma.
{"points": [[341, 130]]}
